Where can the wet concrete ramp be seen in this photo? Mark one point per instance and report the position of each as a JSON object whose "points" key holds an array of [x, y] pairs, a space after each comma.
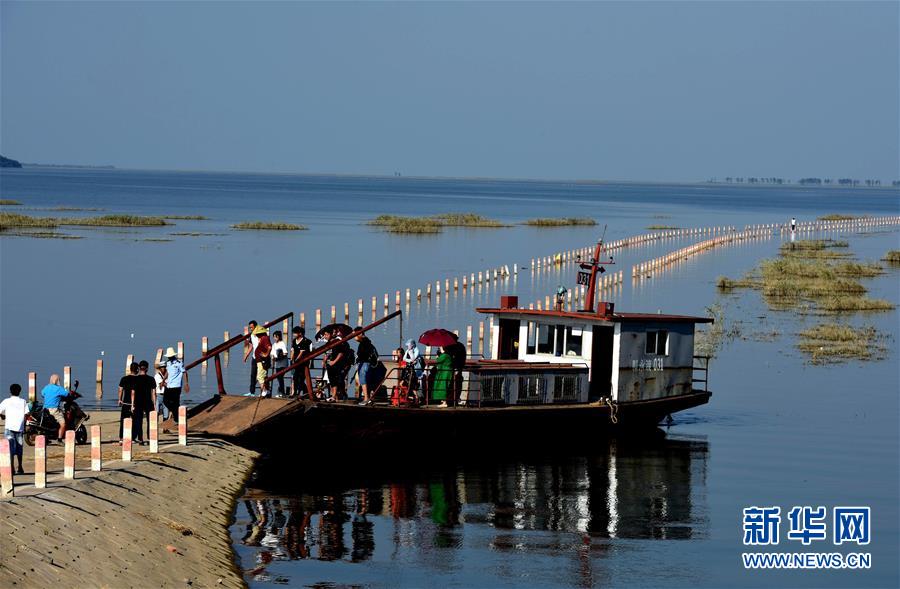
{"points": [[231, 416]]}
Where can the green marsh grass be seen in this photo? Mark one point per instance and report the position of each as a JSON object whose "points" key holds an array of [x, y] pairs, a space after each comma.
{"points": [[834, 342], [560, 222], [267, 226], [431, 224]]}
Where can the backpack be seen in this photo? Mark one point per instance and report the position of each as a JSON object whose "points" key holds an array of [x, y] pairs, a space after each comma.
{"points": [[350, 356]]}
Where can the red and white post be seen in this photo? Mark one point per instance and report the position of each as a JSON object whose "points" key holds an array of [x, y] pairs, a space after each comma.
{"points": [[32, 386], [96, 454], [154, 432], [6, 476], [126, 440], [69, 464], [40, 462], [182, 425]]}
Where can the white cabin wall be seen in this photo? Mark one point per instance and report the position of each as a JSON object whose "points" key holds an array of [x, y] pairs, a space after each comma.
{"points": [[617, 335], [644, 376]]}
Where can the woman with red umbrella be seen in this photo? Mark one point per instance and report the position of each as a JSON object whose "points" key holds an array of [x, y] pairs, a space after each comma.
{"points": [[443, 365]]}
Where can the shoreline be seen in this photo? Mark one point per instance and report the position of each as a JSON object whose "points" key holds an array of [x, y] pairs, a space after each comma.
{"points": [[161, 520]]}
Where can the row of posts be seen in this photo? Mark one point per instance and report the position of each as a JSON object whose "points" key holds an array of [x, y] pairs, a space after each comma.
{"points": [[40, 451], [645, 269]]}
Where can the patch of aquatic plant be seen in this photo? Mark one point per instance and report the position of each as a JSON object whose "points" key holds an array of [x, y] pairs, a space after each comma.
{"points": [[432, 224], [710, 337], [834, 342], [725, 283], [892, 257], [115, 221], [157, 239], [9, 202], [466, 220], [812, 244], [43, 234], [560, 222], [186, 217], [267, 226], [815, 248], [17, 220], [844, 303], [800, 283], [193, 234], [65, 208], [837, 217], [8, 220], [661, 227]]}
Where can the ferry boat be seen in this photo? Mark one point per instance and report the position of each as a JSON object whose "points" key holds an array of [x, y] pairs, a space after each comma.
{"points": [[551, 373]]}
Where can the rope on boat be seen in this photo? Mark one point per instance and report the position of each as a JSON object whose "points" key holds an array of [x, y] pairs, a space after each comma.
{"points": [[613, 409]]}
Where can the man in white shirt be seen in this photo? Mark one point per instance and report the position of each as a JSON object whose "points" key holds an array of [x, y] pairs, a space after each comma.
{"points": [[250, 352], [13, 410]]}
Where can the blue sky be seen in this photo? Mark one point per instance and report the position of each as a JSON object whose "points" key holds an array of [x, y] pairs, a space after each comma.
{"points": [[606, 90]]}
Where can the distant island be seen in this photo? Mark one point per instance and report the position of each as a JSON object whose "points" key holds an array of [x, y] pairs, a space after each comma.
{"points": [[5, 162]]}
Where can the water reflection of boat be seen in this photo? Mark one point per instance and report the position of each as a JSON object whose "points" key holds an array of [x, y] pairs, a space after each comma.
{"points": [[629, 489], [554, 371]]}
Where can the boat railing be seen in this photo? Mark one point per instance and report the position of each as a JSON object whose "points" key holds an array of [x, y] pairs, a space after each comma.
{"points": [[480, 388], [306, 361], [700, 372], [224, 347]]}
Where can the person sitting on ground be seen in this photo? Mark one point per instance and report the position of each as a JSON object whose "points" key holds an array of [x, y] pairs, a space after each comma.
{"points": [[175, 376], [299, 346], [126, 393], [263, 357], [13, 410], [366, 357], [53, 396], [279, 358]]}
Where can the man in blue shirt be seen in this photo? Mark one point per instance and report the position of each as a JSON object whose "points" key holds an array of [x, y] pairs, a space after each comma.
{"points": [[175, 374], [53, 396]]}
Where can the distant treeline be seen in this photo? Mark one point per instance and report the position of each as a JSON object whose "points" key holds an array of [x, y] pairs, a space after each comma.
{"points": [[6, 162], [806, 181]]}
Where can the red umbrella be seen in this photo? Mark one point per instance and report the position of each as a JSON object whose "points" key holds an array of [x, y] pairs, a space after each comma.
{"points": [[438, 337]]}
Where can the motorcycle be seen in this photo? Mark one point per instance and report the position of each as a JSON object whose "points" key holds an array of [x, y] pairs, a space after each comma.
{"points": [[40, 422]]}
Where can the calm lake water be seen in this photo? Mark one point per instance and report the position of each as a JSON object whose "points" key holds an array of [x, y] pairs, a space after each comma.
{"points": [[657, 512]]}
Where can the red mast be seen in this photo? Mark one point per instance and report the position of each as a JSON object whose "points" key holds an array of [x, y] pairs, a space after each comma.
{"points": [[596, 268]]}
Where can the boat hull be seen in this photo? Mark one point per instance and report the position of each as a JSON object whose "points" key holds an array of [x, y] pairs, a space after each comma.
{"points": [[267, 422]]}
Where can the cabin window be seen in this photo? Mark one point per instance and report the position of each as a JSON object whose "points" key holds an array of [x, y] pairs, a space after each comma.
{"points": [[658, 342], [531, 389], [492, 388], [573, 340], [558, 340], [545, 338], [566, 388]]}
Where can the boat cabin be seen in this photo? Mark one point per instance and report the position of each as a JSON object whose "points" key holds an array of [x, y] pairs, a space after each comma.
{"points": [[556, 356]]}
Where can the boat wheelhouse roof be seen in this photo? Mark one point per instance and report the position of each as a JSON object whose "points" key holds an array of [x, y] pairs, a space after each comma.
{"points": [[596, 318]]}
